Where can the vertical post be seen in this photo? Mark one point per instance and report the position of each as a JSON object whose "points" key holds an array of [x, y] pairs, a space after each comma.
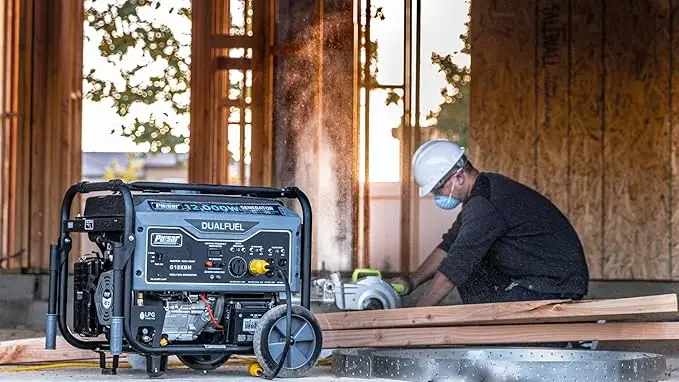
{"points": [[415, 134], [356, 258], [406, 132], [366, 139], [201, 121]]}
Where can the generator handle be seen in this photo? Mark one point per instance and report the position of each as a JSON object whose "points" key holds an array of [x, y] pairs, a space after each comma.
{"points": [[59, 267], [264, 192], [306, 244]]}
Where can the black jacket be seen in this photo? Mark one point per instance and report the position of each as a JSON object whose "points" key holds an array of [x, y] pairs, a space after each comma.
{"points": [[507, 233]]}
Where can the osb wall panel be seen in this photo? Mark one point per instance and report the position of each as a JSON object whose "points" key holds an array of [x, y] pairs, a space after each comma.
{"points": [[597, 138], [636, 140], [504, 108], [585, 145]]}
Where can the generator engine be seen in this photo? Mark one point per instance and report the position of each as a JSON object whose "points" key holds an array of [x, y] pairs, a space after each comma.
{"points": [[200, 271]]}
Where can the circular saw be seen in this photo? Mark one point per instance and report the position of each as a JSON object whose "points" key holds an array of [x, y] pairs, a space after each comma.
{"points": [[367, 291]]}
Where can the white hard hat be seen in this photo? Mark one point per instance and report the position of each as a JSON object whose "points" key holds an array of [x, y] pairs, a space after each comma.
{"points": [[432, 161]]}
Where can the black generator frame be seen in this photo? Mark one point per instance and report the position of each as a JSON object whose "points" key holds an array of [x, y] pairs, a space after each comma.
{"points": [[122, 269]]}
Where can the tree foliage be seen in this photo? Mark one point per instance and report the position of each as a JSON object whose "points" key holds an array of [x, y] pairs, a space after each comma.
{"points": [[129, 173], [451, 118], [154, 67]]}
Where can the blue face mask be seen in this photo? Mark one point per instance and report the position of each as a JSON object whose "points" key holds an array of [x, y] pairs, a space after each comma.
{"points": [[446, 202]]}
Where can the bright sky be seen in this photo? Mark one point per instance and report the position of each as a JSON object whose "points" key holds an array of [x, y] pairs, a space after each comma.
{"points": [[442, 23]]}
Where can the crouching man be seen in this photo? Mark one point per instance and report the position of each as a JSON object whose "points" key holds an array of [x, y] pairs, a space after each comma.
{"points": [[508, 243]]}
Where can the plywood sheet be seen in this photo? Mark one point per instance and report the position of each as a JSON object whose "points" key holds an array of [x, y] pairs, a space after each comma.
{"points": [[585, 159], [502, 128], [636, 139], [552, 101]]}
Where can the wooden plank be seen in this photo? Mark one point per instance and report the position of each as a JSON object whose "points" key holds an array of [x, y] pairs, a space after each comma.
{"points": [[674, 137], [336, 127], [226, 41], [32, 351], [636, 144], [585, 197], [38, 236], [23, 160], [12, 51], [502, 128], [552, 101], [228, 63], [523, 312], [501, 334], [200, 113]]}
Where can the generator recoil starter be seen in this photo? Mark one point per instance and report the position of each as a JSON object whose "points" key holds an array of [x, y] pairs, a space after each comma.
{"points": [[199, 271]]}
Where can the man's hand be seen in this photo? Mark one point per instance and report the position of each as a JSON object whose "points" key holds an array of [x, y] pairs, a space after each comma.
{"points": [[404, 282]]}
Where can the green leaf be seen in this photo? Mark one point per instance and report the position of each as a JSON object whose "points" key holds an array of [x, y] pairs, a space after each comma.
{"points": [[121, 29]]}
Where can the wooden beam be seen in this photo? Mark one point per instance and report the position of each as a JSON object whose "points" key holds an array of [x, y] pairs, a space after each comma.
{"points": [[501, 334], [201, 112], [32, 351], [225, 41], [524, 312], [228, 63]]}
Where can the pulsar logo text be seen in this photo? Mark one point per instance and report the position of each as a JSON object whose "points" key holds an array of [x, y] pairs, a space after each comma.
{"points": [[166, 240]]}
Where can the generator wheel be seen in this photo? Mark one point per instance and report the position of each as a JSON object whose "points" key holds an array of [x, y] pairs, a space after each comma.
{"points": [[204, 362], [305, 345]]}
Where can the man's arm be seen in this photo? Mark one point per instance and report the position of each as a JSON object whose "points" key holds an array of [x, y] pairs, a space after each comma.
{"points": [[428, 268], [481, 226], [438, 290]]}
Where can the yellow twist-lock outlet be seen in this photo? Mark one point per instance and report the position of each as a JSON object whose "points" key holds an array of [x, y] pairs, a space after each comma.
{"points": [[259, 267]]}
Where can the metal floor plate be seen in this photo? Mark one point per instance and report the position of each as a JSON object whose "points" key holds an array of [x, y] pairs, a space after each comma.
{"points": [[498, 364]]}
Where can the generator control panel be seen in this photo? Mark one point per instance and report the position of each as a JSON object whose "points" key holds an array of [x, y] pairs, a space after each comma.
{"points": [[208, 246]]}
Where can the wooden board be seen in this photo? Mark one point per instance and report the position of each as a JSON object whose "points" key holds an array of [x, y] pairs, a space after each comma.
{"points": [[585, 117], [674, 140], [636, 139], [337, 198], [32, 350], [548, 311], [502, 128], [501, 334], [553, 129], [674, 137]]}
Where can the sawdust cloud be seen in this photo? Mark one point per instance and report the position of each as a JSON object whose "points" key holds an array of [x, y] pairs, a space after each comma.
{"points": [[323, 175]]}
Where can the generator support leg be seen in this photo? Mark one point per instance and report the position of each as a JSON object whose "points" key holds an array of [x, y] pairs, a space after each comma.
{"points": [[113, 370], [156, 365]]}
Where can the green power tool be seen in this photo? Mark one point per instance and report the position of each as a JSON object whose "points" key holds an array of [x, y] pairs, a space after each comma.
{"points": [[362, 272], [366, 291]]}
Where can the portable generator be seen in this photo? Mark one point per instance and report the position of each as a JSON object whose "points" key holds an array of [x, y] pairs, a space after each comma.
{"points": [[199, 271]]}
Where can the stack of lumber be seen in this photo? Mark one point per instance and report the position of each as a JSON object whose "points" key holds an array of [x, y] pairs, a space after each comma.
{"points": [[637, 319], [624, 319]]}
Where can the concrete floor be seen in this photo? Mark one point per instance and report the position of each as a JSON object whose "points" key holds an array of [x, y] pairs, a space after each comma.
{"points": [[230, 373]]}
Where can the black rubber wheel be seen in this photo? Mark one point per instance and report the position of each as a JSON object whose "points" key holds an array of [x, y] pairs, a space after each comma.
{"points": [[305, 347], [204, 362]]}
